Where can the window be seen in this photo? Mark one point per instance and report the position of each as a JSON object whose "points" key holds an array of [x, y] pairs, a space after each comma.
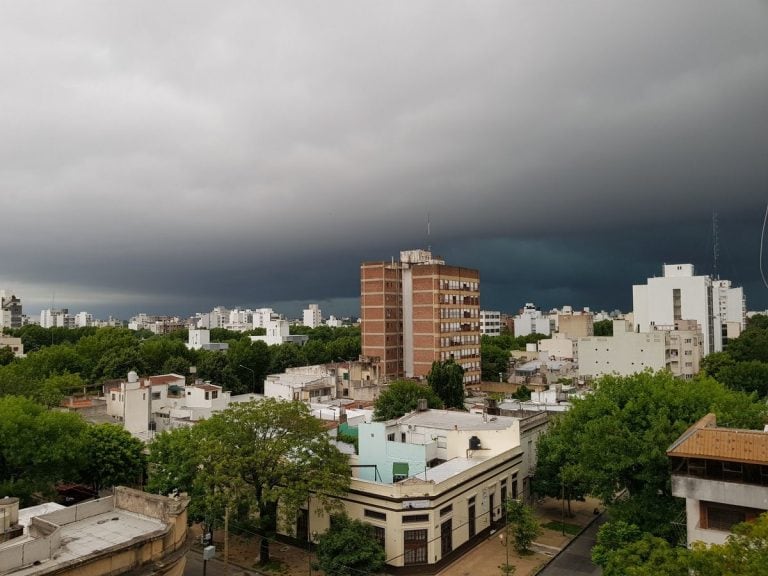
{"points": [[113, 396], [722, 517], [380, 535], [368, 513], [446, 540], [391, 437], [215, 394], [415, 547], [446, 510], [415, 518], [471, 518], [207, 395], [155, 395]]}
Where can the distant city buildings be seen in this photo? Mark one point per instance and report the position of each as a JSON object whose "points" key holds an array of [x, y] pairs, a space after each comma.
{"points": [[717, 307], [200, 339], [313, 316], [10, 310], [532, 321], [419, 310], [56, 318], [490, 323], [279, 332]]}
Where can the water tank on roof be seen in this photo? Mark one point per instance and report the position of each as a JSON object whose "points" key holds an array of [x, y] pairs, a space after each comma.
{"points": [[474, 443], [133, 377]]}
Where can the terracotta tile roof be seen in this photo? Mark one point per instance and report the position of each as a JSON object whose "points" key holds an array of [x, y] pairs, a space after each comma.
{"points": [[207, 387], [708, 441], [165, 379]]}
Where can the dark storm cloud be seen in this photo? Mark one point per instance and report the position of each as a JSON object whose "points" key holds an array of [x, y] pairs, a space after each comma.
{"points": [[172, 157]]}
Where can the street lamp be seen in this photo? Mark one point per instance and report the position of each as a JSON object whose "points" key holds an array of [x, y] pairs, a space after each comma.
{"points": [[253, 375]]}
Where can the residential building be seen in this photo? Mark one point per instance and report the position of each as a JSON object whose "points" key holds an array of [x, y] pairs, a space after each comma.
{"points": [[723, 475], [418, 311], [83, 320], [559, 347], [10, 310], [304, 383], [56, 318], [532, 321], [130, 532], [577, 324], [313, 316], [200, 338], [490, 323], [334, 322], [279, 332], [432, 483], [15, 344], [678, 348], [680, 294]]}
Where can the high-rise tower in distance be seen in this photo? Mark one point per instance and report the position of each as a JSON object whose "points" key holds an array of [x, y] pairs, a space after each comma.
{"points": [[419, 310]]}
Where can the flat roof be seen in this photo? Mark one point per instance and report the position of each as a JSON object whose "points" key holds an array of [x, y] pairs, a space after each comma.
{"points": [[448, 469], [451, 420], [97, 533]]}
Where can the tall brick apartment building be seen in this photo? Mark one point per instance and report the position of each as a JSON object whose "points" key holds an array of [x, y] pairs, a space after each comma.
{"points": [[419, 310]]}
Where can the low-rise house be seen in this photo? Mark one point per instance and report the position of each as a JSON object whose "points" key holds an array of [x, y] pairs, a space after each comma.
{"points": [[128, 532], [723, 475], [433, 483], [305, 383], [15, 344]]}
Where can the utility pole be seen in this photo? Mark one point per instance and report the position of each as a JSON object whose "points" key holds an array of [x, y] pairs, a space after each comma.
{"points": [[253, 377], [226, 541]]}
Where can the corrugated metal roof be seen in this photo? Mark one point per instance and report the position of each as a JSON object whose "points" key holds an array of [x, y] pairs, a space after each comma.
{"points": [[708, 441]]}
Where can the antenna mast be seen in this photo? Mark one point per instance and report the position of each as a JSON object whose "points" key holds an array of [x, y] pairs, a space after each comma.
{"points": [[715, 246], [429, 247]]}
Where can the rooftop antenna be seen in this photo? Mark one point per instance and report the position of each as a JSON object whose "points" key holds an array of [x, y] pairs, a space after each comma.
{"points": [[429, 247], [715, 246], [762, 239]]}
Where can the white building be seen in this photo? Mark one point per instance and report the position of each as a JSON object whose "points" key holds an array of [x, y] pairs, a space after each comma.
{"points": [[531, 321], [83, 320], [15, 344], [313, 316], [56, 318], [304, 383], [200, 338], [263, 316], [678, 349], [679, 294], [722, 473], [334, 322], [279, 332], [490, 322], [434, 482], [10, 310], [559, 347]]}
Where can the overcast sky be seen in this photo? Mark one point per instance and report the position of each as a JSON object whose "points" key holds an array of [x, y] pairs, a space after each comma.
{"points": [[168, 157]]}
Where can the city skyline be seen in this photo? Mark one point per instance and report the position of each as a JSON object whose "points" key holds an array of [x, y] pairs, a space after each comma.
{"points": [[256, 155]]}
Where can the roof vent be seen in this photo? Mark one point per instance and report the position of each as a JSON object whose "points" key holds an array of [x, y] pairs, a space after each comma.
{"points": [[423, 406]]}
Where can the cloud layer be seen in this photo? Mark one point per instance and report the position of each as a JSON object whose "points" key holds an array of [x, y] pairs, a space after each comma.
{"points": [[171, 157]]}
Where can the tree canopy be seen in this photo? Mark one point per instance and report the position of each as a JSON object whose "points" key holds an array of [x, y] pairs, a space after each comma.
{"points": [[263, 458], [349, 548], [612, 444], [401, 397], [446, 379]]}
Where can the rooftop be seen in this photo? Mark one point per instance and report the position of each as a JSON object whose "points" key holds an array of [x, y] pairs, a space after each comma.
{"points": [[708, 441], [448, 469], [450, 420]]}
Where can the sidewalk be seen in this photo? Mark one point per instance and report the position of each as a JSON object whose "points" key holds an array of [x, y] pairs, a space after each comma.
{"points": [[488, 556]]}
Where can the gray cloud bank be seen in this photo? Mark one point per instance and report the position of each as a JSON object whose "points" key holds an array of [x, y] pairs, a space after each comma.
{"points": [[169, 157]]}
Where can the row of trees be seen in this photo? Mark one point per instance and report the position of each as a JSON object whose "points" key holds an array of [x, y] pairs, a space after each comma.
{"points": [[41, 448], [90, 356]]}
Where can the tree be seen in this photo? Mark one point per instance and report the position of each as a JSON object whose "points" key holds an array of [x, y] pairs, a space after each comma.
{"points": [[6, 355], [52, 390], [250, 362], [401, 397], [712, 364], [603, 328], [349, 548], [613, 536], [267, 456], [648, 556], [287, 355], [112, 457], [522, 525], [748, 376], [616, 439], [446, 378], [173, 461], [744, 553]]}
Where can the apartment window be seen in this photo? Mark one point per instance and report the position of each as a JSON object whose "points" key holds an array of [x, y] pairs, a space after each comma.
{"points": [[446, 540], [155, 395], [391, 437], [215, 394], [380, 535], [719, 517], [415, 547], [412, 518], [376, 515], [446, 510], [207, 395], [113, 396]]}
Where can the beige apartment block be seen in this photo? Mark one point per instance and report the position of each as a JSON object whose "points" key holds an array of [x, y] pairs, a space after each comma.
{"points": [[418, 311]]}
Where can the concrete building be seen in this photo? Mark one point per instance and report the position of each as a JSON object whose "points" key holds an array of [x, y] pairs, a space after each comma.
{"points": [[490, 323], [577, 324], [10, 310], [56, 318], [334, 322], [83, 320], [677, 348], [305, 383], [723, 475], [679, 294], [313, 316], [432, 483], [532, 321], [559, 347], [15, 344], [279, 332], [130, 532], [417, 311], [200, 339]]}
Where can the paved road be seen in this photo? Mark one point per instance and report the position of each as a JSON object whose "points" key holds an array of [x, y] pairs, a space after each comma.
{"points": [[215, 567], [575, 559]]}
